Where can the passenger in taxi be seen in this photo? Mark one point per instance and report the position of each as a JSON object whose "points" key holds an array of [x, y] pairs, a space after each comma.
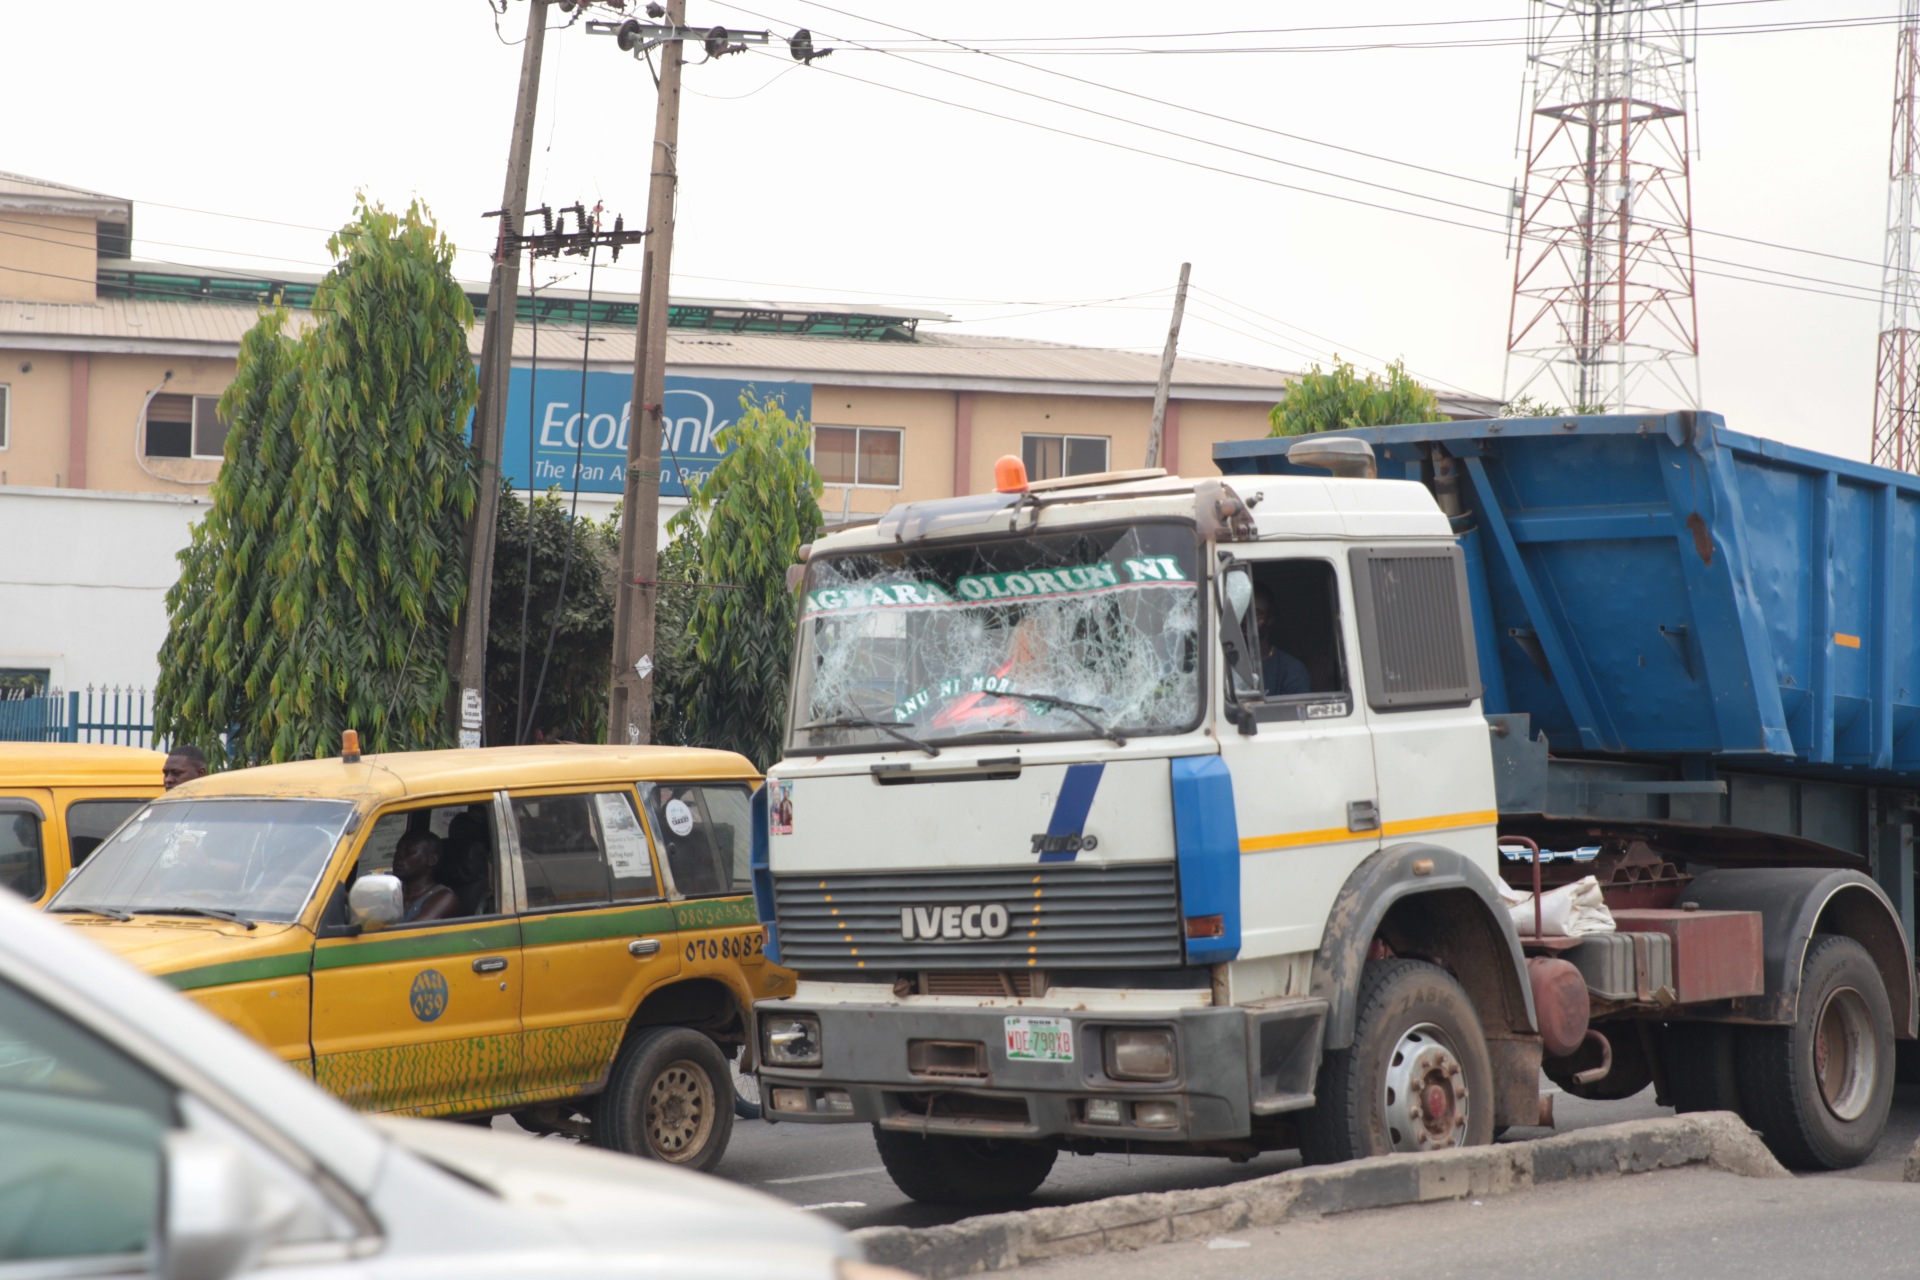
{"points": [[422, 896]]}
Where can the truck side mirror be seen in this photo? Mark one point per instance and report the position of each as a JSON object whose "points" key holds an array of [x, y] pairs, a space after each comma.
{"points": [[210, 1204], [375, 900], [1235, 606]]}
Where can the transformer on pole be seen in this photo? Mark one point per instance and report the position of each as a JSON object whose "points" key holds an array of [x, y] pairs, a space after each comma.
{"points": [[1603, 312], [1896, 386]]}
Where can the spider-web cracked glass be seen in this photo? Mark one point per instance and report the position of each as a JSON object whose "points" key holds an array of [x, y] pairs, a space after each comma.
{"points": [[1055, 635]]}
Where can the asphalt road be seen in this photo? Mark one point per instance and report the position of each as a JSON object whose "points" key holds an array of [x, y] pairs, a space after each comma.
{"points": [[834, 1170], [1690, 1223]]}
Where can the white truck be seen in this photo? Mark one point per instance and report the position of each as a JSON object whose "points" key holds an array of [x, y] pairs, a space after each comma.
{"points": [[1130, 812]]}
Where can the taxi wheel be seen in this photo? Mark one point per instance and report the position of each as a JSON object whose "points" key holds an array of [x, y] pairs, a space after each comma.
{"points": [[670, 1097]]}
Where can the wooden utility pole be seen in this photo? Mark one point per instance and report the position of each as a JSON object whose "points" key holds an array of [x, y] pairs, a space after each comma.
{"points": [[489, 417], [630, 702], [1155, 433]]}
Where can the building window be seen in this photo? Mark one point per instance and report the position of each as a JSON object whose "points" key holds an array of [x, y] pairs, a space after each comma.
{"points": [[1050, 457], [185, 427], [6, 415], [860, 456]]}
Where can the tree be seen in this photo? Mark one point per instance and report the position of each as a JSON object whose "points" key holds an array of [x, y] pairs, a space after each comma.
{"points": [[1534, 407], [728, 683], [321, 591], [572, 639], [1343, 399]]}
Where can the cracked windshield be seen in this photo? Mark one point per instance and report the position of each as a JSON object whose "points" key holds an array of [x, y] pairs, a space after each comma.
{"points": [[255, 859], [1083, 634]]}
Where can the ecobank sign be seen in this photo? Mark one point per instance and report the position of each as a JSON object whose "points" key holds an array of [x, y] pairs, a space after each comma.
{"points": [[548, 428]]}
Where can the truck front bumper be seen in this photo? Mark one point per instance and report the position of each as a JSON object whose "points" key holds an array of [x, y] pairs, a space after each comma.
{"points": [[1231, 1066]]}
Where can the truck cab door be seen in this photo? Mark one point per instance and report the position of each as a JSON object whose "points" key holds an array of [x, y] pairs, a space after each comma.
{"points": [[1301, 756], [1422, 681]]}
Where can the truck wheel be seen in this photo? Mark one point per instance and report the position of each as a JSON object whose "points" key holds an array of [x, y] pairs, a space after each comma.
{"points": [[944, 1169], [669, 1098], [1819, 1090], [1697, 1063], [1416, 1078]]}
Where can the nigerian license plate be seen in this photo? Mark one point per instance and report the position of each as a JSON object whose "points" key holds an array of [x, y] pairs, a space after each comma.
{"points": [[1040, 1039]]}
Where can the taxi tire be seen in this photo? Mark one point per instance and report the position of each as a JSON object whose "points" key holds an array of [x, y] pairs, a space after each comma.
{"points": [[682, 1070]]}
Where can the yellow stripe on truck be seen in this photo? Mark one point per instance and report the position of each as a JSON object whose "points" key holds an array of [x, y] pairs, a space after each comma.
{"points": [[1340, 835]]}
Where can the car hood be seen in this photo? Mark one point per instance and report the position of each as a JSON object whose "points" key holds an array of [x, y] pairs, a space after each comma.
{"points": [[171, 945], [594, 1194]]}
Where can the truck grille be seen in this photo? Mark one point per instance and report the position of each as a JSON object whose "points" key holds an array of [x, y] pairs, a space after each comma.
{"points": [[1057, 917]]}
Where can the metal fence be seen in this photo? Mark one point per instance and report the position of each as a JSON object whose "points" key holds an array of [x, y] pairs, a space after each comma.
{"points": [[111, 714]]}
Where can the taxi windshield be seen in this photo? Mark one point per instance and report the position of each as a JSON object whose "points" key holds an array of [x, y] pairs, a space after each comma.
{"points": [[254, 859], [1089, 633]]}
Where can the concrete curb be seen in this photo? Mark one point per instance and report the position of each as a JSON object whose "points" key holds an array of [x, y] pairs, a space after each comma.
{"points": [[997, 1242]]}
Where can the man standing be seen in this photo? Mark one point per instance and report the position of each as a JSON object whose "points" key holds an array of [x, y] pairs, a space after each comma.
{"points": [[184, 763]]}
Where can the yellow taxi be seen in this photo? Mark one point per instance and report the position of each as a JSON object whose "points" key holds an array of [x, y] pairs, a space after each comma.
{"points": [[59, 800], [562, 933]]}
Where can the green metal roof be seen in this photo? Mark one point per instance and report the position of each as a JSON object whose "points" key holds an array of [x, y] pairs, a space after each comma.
{"points": [[144, 281]]}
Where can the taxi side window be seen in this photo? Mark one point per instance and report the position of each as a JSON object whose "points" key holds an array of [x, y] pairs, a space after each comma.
{"points": [[467, 851], [705, 833], [22, 868], [90, 822], [583, 850]]}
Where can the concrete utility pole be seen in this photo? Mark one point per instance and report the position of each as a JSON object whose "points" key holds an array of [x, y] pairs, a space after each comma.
{"points": [[489, 417], [1158, 430], [630, 702]]}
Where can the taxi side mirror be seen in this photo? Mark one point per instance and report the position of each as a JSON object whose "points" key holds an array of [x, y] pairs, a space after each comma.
{"points": [[375, 900]]}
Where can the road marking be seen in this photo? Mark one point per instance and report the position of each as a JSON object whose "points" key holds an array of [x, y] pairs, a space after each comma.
{"points": [[837, 1204], [823, 1177]]}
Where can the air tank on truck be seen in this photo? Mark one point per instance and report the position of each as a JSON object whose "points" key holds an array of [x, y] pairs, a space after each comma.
{"points": [[1132, 812]]}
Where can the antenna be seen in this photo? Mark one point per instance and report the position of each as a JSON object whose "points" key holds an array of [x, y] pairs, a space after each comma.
{"points": [[1896, 384], [1603, 312]]}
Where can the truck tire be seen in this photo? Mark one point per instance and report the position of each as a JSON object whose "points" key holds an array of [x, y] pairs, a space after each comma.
{"points": [[669, 1097], [1819, 1089], [1697, 1064], [1417, 1076], [944, 1169]]}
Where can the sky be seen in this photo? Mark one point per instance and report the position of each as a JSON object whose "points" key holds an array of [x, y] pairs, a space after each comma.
{"points": [[901, 171]]}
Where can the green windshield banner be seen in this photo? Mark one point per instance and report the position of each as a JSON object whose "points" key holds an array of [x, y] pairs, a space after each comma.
{"points": [[994, 588]]}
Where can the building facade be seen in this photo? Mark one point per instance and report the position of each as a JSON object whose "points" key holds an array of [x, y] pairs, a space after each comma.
{"points": [[111, 371]]}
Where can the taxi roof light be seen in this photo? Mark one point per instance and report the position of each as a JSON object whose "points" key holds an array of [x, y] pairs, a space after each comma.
{"points": [[350, 746]]}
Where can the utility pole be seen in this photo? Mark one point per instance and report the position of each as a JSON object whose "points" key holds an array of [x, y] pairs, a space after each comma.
{"points": [[630, 702], [1158, 430], [630, 698], [489, 417]]}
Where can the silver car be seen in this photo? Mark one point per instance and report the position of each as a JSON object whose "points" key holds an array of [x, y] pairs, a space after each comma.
{"points": [[140, 1135]]}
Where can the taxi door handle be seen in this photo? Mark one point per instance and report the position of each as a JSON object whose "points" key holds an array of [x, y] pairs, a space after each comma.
{"points": [[643, 947], [491, 964]]}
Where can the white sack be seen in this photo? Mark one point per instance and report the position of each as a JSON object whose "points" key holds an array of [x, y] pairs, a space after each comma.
{"points": [[1571, 911]]}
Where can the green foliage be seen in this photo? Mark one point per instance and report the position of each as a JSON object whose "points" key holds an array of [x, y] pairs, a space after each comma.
{"points": [[1343, 399], [726, 674], [573, 698], [1533, 407], [321, 591]]}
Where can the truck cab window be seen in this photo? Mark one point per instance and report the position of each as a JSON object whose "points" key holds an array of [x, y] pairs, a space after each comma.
{"points": [[1295, 630]]}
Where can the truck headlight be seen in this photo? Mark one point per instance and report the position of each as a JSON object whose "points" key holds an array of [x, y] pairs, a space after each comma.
{"points": [[790, 1040], [1139, 1053]]}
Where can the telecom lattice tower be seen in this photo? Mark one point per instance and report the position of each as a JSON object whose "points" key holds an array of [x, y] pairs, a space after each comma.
{"points": [[1896, 387], [1603, 308]]}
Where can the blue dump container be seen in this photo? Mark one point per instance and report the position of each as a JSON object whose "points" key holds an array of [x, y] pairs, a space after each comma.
{"points": [[1660, 585]]}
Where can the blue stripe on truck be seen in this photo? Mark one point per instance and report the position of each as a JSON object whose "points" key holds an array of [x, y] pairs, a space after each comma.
{"points": [[1206, 841], [1071, 808]]}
